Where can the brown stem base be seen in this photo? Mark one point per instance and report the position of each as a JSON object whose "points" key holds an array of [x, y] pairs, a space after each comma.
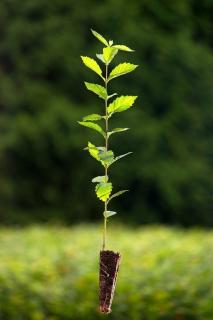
{"points": [[109, 265]]}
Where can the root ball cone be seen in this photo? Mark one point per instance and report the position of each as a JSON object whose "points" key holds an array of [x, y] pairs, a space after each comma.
{"points": [[109, 265]]}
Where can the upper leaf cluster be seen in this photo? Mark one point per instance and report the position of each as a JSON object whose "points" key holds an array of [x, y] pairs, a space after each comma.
{"points": [[119, 104]]}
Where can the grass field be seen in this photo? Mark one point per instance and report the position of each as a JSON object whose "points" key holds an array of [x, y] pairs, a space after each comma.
{"points": [[49, 272]]}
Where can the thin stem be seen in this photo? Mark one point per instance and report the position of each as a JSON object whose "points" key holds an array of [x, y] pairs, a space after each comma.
{"points": [[106, 168], [105, 232]]}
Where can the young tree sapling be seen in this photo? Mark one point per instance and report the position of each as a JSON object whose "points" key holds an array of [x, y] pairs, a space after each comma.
{"points": [[109, 260]]}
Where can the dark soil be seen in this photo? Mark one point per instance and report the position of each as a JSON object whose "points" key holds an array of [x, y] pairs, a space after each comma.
{"points": [[109, 265]]}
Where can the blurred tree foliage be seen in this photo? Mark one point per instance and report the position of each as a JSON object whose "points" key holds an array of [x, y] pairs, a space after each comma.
{"points": [[44, 173]]}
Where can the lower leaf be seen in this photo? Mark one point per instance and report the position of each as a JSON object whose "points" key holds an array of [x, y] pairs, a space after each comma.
{"points": [[103, 190], [117, 194], [106, 157], [108, 214], [93, 126], [93, 151], [109, 133], [92, 117], [100, 179], [122, 156]]}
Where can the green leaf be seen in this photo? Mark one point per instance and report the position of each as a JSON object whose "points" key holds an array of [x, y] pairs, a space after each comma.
{"points": [[97, 89], [121, 156], [111, 95], [108, 214], [117, 194], [116, 130], [121, 69], [93, 151], [100, 154], [106, 157], [122, 47], [103, 190], [109, 53], [121, 104], [100, 57], [100, 37], [93, 126], [92, 64], [100, 179], [92, 117]]}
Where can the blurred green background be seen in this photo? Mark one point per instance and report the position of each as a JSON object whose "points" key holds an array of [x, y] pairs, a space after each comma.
{"points": [[51, 273], [44, 172], [48, 261]]}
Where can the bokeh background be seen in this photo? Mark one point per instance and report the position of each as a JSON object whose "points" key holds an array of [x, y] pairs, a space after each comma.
{"points": [[45, 174]]}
